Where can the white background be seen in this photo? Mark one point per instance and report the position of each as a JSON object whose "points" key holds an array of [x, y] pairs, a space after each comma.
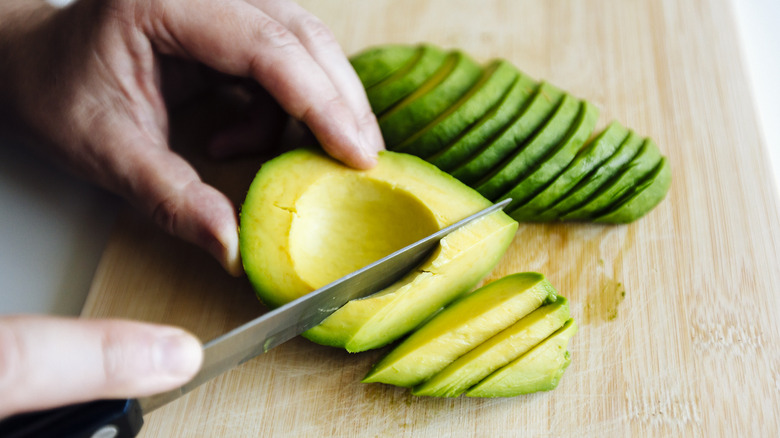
{"points": [[53, 228]]}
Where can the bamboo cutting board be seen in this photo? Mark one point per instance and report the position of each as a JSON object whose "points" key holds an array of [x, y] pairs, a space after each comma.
{"points": [[678, 334]]}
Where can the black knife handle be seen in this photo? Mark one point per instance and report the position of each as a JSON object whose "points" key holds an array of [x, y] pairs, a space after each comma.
{"points": [[98, 419]]}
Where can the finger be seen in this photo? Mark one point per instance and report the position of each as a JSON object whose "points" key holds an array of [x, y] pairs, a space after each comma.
{"points": [[47, 361], [237, 38], [164, 185], [320, 42]]}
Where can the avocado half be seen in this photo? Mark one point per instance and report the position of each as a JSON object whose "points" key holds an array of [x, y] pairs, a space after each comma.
{"points": [[509, 136], [308, 220]]}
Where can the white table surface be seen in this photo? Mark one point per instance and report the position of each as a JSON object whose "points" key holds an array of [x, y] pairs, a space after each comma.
{"points": [[53, 228]]}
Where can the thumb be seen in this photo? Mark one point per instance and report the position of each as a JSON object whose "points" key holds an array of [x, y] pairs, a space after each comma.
{"points": [[52, 361]]}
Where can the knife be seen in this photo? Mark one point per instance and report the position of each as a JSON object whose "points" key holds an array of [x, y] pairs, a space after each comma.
{"points": [[124, 418]]}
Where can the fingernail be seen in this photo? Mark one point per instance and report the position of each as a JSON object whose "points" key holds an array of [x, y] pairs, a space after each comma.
{"points": [[177, 354], [370, 145]]}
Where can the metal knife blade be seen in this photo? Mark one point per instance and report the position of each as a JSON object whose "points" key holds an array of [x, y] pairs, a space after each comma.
{"points": [[124, 418], [290, 320]]}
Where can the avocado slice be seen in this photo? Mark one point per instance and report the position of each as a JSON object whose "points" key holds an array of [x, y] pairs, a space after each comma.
{"points": [[629, 176], [441, 91], [556, 160], [378, 63], [540, 369], [496, 352], [495, 81], [495, 121], [596, 179], [308, 220], [543, 106], [392, 89], [642, 198], [460, 327], [591, 156], [515, 167]]}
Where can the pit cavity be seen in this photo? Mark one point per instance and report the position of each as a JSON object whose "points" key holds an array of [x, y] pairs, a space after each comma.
{"points": [[344, 222]]}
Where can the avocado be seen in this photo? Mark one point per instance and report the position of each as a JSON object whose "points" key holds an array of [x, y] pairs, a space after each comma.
{"points": [[503, 140], [495, 121], [376, 64], [596, 179], [472, 367], [540, 369], [308, 220], [591, 156], [460, 327], [518, 165], [628, 177], [544, 104], [441, 91], [403, 82], [556, 160], [641, 198], [491, 87]]}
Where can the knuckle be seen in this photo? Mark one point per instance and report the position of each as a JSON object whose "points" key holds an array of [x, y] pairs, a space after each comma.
{"points": [[113, 360], [277, 35], [315, 31], [165, 215]]}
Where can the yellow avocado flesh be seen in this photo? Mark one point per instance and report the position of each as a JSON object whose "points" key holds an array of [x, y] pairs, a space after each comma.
{"points": [[308, 220], [461, 327], [538, 370], [496, 352]]}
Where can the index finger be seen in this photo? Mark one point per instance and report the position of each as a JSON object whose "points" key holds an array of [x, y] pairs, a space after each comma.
{"points": [[237, 38]]}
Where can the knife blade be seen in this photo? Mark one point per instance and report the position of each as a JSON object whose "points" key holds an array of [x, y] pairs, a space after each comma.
{"points": [[124, 418]]}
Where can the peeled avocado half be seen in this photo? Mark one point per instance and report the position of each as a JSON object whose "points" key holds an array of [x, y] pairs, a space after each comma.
{"points": [[507, 135], [308, 220]]}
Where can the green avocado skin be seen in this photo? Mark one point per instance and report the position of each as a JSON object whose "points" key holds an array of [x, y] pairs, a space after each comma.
{"points": [[403, 82], [589, 157], [557, 159], [630, 176], [596, 179], [510, 136], [375, 64], [441, 132], [480, 167], [491, 124], [442, 91], [644, 196]]}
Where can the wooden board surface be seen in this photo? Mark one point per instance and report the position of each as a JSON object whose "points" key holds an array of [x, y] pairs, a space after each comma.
{"points": [[679, 334]]}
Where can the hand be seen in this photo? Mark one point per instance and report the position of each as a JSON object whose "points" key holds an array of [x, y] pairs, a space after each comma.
{"points": [[88, 81], [47, 362]]}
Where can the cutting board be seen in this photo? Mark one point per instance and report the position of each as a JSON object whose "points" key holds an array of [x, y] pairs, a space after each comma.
{"points": [[677, 311]]}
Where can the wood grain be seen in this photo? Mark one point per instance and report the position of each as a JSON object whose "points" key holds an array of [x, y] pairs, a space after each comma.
{"points": [[677, 311]]}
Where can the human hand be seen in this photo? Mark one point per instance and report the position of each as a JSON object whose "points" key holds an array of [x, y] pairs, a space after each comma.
{"points": [[88, 81], [47, 362]]}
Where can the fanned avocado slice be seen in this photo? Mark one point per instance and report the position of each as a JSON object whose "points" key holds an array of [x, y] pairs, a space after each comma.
{"points": [[496, 80], [556, 160], [635, 171], [583, 191], [441, 91], [496, 352], [521, 162], [540, 369], [403, 82], [642, 198], [547, 99], [462, 326], [591, 156], [494, 122], [378, 63]]}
